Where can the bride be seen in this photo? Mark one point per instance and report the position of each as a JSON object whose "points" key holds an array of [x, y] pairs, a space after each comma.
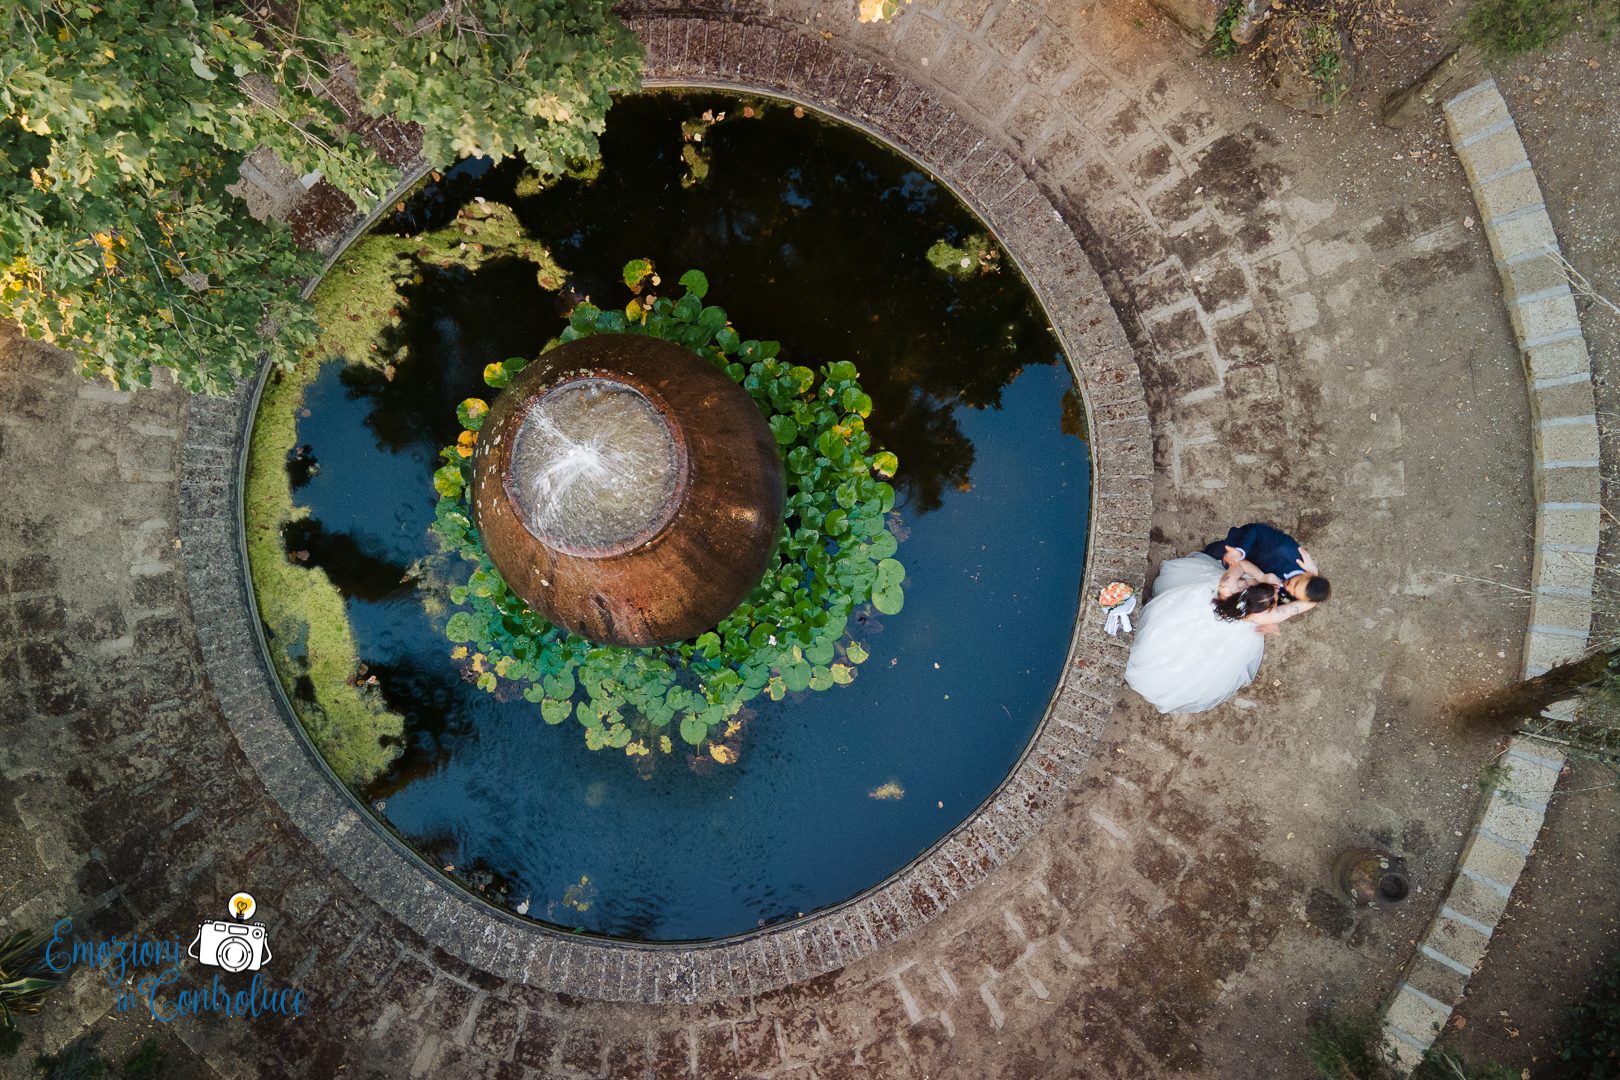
{"points": [[1201, 637]]}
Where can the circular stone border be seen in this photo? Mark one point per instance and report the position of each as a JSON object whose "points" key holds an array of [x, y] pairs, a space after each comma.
{"points": [[833, 79]]}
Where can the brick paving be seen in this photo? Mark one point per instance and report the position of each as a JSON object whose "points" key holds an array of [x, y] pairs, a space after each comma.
{"points": [[1171, 912]]}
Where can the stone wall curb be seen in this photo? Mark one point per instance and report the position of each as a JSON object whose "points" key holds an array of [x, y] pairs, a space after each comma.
{"points": [[836, 79], [1564, 448]]}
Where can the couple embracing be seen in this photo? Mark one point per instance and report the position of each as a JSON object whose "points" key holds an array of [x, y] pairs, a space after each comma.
{"points": [[1201, 637]]}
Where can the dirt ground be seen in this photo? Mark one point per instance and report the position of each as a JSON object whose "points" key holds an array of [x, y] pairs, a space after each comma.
{"points": [[1562, 925]]}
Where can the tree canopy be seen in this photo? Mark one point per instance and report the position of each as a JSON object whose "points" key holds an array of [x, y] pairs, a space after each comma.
{"points": [[125, 120]]}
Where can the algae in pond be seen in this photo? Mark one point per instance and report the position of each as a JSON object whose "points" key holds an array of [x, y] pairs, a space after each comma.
{"points": [[311, 645], [977, 254], [358, 303]]}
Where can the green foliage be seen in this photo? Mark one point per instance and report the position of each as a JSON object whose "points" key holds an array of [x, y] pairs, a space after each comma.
{"points": [[147, 1061], [1439, 1064], [25, 979], [125, 121], [78, 1060], [1492, 775], [1593, 1040], [836, 553], [1222, 44], [306, 623], [1504, 29], [1342, 1047], [504, 77]]}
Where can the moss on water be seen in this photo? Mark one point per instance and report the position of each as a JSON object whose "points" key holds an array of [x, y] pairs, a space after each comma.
{"points": [[977, 255], [358, 306], [303, 613]]}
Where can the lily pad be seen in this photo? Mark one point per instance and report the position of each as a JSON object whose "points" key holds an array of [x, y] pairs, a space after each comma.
{"points": [[889, 601]]}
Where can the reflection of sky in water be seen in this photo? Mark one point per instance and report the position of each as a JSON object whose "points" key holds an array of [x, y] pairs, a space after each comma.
{"points": [[955, 684], [791, 193], [917, 190]]}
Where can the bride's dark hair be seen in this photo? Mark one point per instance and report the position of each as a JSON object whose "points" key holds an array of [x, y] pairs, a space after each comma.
{"points": [[1255, 598]]}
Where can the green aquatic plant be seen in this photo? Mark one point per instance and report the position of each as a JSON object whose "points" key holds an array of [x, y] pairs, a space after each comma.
{"points": [[836, 553], [977, 254]]}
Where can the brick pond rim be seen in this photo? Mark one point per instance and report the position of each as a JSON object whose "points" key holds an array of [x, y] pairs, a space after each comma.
{"points": [[213, 459]]}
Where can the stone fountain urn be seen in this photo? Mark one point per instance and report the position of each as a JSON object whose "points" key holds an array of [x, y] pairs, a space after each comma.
{"points": [[628, 490]]}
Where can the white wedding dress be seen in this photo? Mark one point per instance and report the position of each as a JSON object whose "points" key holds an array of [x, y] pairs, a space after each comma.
{"points": [[1186, 658]]}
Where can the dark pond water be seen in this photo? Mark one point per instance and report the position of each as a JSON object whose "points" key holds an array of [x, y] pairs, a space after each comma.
{"points": [[812, 235]]}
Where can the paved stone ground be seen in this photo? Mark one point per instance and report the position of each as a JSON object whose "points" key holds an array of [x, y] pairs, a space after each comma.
{"points": [[1311, 326]]}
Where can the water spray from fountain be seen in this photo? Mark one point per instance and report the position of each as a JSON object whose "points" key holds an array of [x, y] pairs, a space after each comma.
{"points": [[597, 462]]}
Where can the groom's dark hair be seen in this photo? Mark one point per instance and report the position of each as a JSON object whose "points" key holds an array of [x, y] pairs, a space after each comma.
{"points": [[1317, 589]]}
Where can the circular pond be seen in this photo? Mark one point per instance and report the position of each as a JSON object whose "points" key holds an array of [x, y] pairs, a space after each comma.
{"points": [[812, 235]]}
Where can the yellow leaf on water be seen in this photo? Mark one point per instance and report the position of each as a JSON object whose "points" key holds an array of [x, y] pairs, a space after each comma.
{"points": [[722, 753], [458, 653], [891, 790]]}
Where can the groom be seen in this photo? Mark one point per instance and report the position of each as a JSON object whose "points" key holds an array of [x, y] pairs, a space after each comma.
{"points": [[1274, 552]]}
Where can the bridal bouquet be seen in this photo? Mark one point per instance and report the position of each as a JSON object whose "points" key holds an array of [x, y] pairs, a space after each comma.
{"points": [[1119, 600]]}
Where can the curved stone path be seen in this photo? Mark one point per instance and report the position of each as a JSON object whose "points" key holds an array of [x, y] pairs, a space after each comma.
{"points": [[1300, 342]]}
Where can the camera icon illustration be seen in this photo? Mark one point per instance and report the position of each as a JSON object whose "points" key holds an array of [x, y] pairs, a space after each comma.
{"points": [[235, 945]]}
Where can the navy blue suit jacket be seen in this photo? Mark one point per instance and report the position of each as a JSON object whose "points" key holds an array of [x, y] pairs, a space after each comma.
{"points": [[1271, 549]]}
